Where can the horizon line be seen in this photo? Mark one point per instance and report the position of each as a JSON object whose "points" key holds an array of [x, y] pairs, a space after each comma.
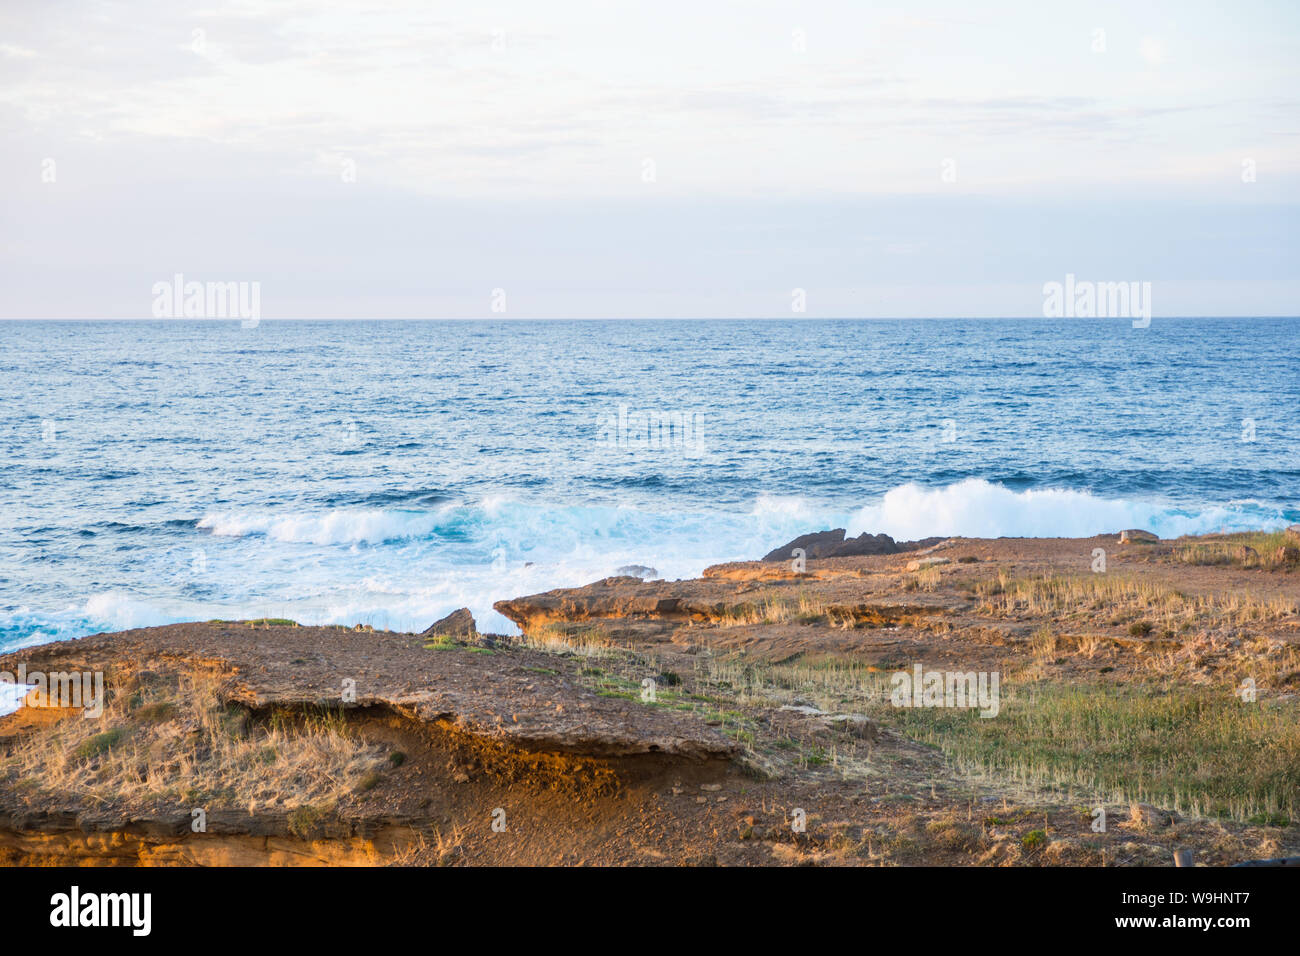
{"points": [[733, 318]]}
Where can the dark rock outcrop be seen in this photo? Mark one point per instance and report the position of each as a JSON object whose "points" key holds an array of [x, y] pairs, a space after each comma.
{"points": [[833, 544], [818, 544], [458, 623], [866, 544]]}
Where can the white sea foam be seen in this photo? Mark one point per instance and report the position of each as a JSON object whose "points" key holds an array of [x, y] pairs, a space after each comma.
{"points": [[403, 569], [470, 555], [979, 509], [336, 526], [11, 697]]}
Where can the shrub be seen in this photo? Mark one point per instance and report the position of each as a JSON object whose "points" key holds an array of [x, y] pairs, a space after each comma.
{"points": [[99, 744]]}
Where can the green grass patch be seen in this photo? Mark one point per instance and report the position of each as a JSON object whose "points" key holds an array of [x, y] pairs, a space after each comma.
{"points": [[304, 820], [99, 744], [1198, 750]]}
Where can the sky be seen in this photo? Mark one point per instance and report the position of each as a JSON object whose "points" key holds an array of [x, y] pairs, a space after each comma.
{"points": [[388, 159]]}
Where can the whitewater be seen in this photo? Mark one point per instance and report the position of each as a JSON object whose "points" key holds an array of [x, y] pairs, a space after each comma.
{"points": [[387, 473]]}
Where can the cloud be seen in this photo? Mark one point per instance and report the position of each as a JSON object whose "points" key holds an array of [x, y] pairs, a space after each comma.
{"points": [[231, 150], [570, 101]]}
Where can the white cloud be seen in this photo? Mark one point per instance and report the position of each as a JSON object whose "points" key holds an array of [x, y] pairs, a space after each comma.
{"points": [[177, 158], [575, 95]]}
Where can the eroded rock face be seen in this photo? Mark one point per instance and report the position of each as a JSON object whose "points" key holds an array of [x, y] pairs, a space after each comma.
{"points": [[517, 698], [621, 596], [458, 623], [647, 612]]}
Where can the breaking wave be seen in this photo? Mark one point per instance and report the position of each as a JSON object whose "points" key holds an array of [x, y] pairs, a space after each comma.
{"points": [[402, 568]]}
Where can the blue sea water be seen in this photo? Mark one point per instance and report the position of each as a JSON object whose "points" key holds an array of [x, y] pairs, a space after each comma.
{"points": [[389, 472]]}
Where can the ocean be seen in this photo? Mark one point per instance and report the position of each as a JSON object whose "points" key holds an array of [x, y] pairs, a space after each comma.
{"points": [[386, 473]]}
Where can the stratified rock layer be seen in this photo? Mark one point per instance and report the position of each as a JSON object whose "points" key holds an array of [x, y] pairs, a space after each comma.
{"points": [[522, 698]]}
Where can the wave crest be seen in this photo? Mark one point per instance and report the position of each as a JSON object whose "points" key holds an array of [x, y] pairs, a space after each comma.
{"points": [[975, 508]]}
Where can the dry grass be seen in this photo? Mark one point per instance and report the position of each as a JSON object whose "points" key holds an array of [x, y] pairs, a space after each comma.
{"points": [[1090, 644], [1247, 550], [928, 579], [437, 848], [161, 743], [1197, 749], [1160, 737], [1044, 645], [1127, 599], [775, 609], [1200, 751], [584, 640]]}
